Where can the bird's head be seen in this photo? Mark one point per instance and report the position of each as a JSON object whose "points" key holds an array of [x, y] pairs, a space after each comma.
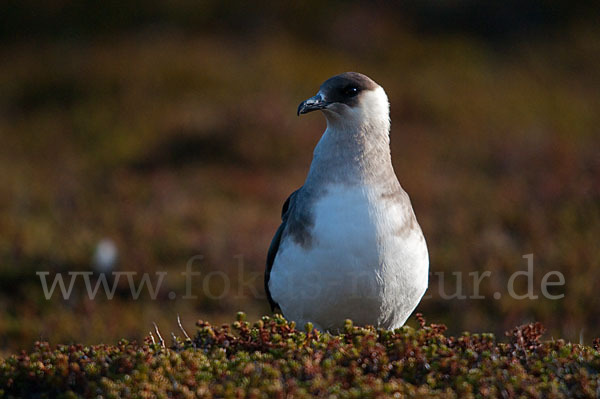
{"points": [[350, 97]]}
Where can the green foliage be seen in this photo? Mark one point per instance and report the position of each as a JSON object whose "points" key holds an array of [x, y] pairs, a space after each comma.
{"points": [[271, 358]]}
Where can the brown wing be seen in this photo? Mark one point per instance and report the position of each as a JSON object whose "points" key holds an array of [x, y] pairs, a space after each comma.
{"points": [[272, 253]]}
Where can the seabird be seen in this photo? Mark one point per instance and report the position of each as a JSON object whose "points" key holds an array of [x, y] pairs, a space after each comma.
{"points": [[349, 245]]}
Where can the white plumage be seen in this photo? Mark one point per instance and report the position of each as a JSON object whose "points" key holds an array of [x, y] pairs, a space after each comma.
{"points": [[349, 245]]}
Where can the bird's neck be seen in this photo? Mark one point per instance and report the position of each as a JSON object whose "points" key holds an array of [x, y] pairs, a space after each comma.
{"points": [[352, 153]]}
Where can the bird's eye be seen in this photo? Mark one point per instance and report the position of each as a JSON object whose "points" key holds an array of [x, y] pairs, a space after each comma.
{"points": [[350, 91]]}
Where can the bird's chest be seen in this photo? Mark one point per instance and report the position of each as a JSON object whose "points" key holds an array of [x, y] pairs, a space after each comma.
{"points": [[348, 222], [354, 263]]}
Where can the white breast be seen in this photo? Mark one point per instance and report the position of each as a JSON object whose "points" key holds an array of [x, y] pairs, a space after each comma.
{"points": [[361, 264]]}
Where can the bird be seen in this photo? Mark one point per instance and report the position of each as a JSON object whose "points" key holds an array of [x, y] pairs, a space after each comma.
{"points": [[349, 245], [105, 256]]}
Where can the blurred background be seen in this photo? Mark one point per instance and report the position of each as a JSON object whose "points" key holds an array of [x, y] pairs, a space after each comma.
{"points": [[136, 135]]}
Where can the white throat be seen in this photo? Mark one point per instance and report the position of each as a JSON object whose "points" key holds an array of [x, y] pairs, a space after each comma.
{"points": [[355, 147]]}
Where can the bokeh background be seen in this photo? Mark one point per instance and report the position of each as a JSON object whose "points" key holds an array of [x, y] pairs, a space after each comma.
{"points": [[169, 128]]}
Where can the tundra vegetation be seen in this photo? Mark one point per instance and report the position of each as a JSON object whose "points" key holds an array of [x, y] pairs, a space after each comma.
{"points": [[272, 359]]}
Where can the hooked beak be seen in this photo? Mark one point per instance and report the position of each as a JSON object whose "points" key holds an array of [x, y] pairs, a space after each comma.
{"points": [[312, 104]]}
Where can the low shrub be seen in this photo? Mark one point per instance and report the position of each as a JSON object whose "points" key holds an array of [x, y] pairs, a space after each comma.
{"points": [[272, 358]]}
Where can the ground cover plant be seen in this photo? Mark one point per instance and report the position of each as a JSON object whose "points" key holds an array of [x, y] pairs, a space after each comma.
{"points": [[272, 358]]}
